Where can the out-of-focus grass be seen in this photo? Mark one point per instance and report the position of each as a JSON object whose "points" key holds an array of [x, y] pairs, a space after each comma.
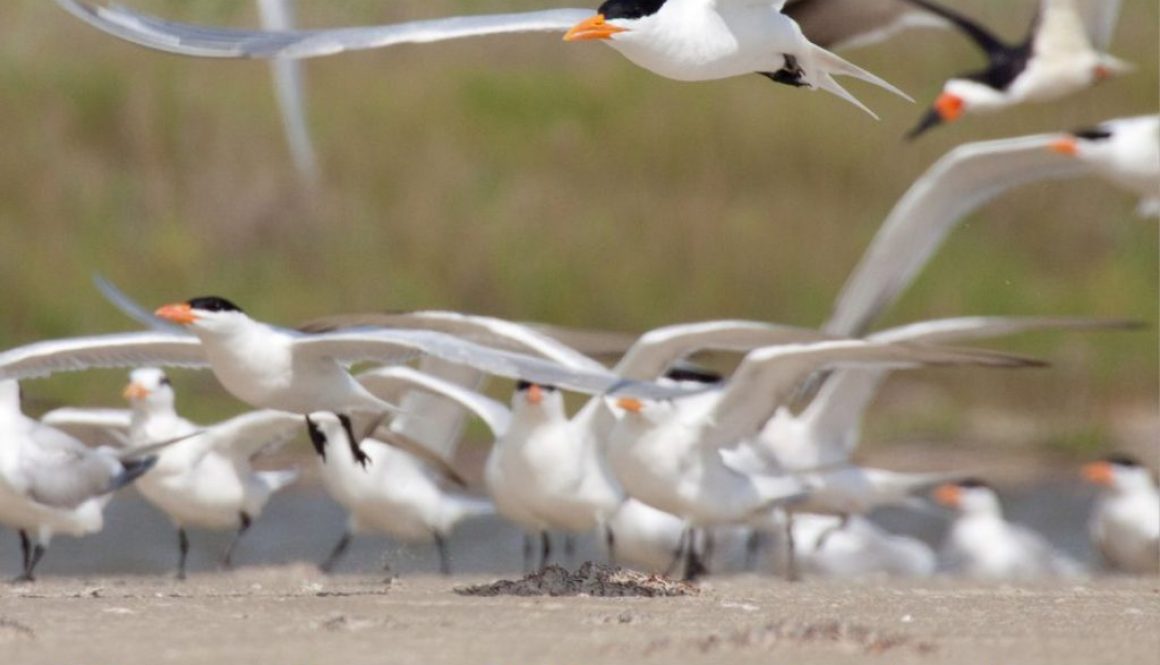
{"points": [[527, 178]]}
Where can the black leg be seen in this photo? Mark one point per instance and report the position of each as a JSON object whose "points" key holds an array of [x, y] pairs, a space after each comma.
{"points": [[791, 571], [710, 545], [790, 74], [182, 551], [25, 549], [569, 548], [529, 545], [694, 567], [678, 554], [336, 554], [545, 549], [753, 546], [317, 438], [610, 544], [444, 557], [359, 456], [228, 557]]}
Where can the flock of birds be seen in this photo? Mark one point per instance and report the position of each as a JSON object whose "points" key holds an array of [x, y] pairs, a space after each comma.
{"points": [[664, 458]]}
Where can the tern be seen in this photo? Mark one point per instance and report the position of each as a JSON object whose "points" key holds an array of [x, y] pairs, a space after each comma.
{"points": [[287, 370], [52, 483], [1126, 152], [206, 479], [668, 454], [1125, 525], [827, 548], [685, 40], [1060, 56], [982, 544]]}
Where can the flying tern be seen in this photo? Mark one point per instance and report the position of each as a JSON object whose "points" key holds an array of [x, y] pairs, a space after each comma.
{"points": [[1126, 152], [686, 40], [1061, 55]]}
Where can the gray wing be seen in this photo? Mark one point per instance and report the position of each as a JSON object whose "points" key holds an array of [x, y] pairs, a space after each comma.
{"points": [[658, 349], [378, 345], [90, 425], [836, 413], [210, 42], [61, 472], [484, 330], [1100, 18], [964, 179], [132, 309], [132, 349], [767, 378], [279, 15], [838, 24], [245, 435], [389, 383]]}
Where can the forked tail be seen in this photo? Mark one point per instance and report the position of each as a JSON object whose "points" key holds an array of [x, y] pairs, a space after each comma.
{"points": [[823, 66]]}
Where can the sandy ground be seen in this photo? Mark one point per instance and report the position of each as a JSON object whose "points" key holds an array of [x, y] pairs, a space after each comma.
{"points": [[291, 614]]}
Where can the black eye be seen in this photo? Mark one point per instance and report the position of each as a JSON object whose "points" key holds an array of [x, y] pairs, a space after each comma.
{"points": [[165, 381], [629, 8], [1092, 134], [971, 483], [550, 389], [1119, 459], [522, 385], [213, 304]]}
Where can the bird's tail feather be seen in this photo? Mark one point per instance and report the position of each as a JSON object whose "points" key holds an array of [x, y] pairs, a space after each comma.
{"points": [[826, 65], [131, 470], [276, 480]]}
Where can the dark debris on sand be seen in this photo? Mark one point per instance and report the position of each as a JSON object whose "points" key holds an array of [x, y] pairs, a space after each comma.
{"points": [[592, 579]]}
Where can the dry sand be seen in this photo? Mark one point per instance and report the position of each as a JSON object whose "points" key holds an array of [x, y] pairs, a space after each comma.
{"points": [[291, 614]]}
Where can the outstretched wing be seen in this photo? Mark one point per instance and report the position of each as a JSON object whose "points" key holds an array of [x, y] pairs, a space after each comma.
{"points": [[964, 179], [132, 349], [209, 42], [839, 24]]}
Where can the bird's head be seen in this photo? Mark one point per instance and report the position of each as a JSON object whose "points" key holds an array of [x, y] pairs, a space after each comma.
{"points": [[968, 496], [207, 313], [1118, 472], [1109, 67], [148, 386], [537, 396], [614, 19]]}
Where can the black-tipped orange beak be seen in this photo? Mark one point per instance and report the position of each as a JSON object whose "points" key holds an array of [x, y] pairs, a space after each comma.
{"points": [[630, 404], [1098, 473], [948, 495], [135, 391], [1065, 146], [947, 108], [180, 313], [592, 28]]}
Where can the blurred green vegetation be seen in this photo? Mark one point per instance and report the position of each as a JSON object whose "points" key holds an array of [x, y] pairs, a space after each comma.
{"points": [[527, 178]]}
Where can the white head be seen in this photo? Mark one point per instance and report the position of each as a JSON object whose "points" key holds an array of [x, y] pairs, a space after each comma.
{"points": [[149, 388], [1120, 474], [535, 401], [616, 20], [205, 315], [969, 497]]}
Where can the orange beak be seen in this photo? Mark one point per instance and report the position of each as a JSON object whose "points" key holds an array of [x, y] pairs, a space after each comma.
{"points": [[630, 404], [592, 28], [180, 313], [1067, 146], [1102, 73], [949, 107], [135, 391], [535, 394], [948, 495], [1098, 473]]}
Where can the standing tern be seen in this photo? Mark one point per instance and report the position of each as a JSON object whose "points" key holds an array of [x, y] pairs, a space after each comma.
{"points": [[828, 548], [52, 483], [1125, 525], [206, 479], [981, 543], [1060, 56], [686, 40], [1126, 152]]}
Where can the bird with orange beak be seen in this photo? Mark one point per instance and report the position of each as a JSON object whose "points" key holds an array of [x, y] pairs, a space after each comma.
{"points": [[981, 543], [1059, 56], [1125, 523]]}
